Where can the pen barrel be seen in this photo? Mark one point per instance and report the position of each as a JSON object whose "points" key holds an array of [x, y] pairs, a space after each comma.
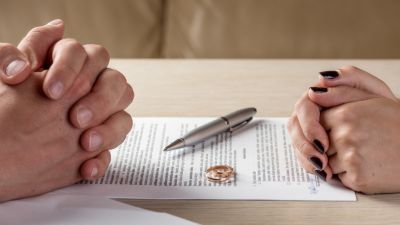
{"points": [[206, 131], [238, 117]]}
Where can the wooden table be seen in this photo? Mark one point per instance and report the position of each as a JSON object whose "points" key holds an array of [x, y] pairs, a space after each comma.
{"points": [[215, 87]]}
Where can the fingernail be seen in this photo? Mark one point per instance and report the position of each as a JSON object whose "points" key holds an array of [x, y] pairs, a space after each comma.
{"points": [[335, 177], [56, 89], [94, 172], [55, 22], [84, 116], [319, 146], [15, 67], [319, 89], [331, 74], [316, 162], [94, 141], [321, 174]]}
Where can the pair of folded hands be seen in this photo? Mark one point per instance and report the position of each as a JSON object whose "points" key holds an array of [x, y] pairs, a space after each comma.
{"points": [[347, 126], [62, 110]]}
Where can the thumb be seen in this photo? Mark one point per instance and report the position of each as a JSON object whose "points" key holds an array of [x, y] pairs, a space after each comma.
{"points": [[334, 96], [14, 65], [36, 45], [354, 77]]}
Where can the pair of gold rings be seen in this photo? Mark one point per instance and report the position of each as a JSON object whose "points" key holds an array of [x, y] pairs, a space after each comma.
{"points": [[220, 173]]}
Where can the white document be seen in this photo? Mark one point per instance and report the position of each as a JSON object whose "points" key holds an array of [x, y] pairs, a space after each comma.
{"points": [[74, 210], [261, 154]]}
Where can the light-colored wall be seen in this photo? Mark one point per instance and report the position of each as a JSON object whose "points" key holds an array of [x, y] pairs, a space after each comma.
{"points": [[218, 28], [128, 28], [283, 28]]}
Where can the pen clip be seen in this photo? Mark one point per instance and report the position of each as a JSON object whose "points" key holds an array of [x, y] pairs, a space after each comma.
{"points": [[240, 125]]}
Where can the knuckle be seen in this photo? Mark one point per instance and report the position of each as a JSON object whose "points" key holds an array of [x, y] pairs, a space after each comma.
{"points": [[122, 125], [309, 130], [129, 123], [74, 45], [102, 101], [355, 137], [303, 147], [98, 51], [291, 122], [352, 158], [345, 115], [8, 50], [345, 137], [302, 103], [358, 182], [348, 69], [130, 93], [119, 77], [126, 122], [67, 69], [120, 141], [70, 41], [106, 159], [85, 84], [114, 77], [81, 86], [344, 90], [298, 105]]}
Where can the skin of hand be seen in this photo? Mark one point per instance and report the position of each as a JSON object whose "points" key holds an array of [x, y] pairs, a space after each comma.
{"points": [[99, 111], [35, 52], [364, 144], [309, 138], [40, 149]]}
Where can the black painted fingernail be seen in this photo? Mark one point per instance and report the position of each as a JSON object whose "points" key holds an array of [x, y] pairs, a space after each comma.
{"points": [[319, 146], [335, 177], [316, 162], [321, 174], [319, 89], [331, 74]]}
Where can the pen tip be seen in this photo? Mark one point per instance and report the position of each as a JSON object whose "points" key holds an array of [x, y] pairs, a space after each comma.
{"points": [[175, 145]]}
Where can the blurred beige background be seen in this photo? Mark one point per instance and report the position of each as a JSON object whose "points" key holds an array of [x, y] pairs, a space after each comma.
{"points": [[218, 28]]}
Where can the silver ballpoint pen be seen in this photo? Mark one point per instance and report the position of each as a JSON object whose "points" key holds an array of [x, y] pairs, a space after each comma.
{"points": [[230, 122]]}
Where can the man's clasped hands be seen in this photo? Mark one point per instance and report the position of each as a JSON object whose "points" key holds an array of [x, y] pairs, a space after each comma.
{"points": [[62, 110]]}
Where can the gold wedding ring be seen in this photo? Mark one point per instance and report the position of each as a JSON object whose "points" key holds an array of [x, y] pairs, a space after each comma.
{"points": [[220, 173]]}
